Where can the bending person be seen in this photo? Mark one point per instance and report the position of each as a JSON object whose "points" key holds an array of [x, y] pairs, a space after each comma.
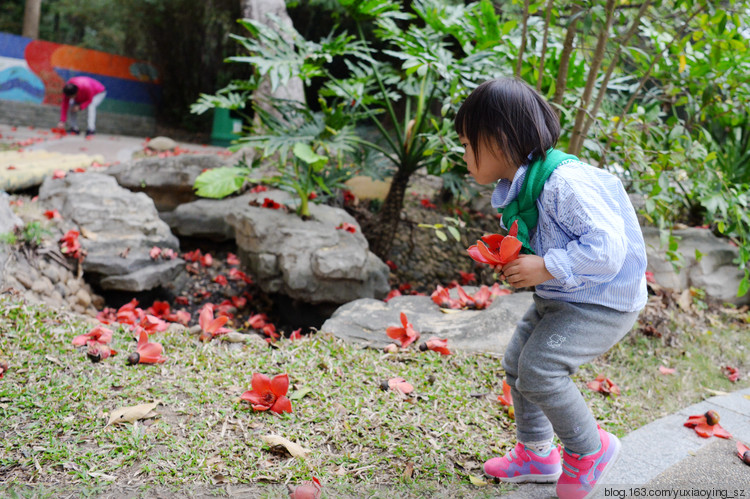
{"points": [[79, 93]]}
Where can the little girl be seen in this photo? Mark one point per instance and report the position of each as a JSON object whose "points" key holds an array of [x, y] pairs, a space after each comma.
{"points": [[583, 251]]}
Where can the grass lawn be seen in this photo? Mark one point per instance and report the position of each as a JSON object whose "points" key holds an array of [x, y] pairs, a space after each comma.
{"points": [[362, 440]]}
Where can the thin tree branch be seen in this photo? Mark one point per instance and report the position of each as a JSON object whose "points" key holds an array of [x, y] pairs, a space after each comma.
{"points": [[562, 76], [524, 33], [550, 4]]}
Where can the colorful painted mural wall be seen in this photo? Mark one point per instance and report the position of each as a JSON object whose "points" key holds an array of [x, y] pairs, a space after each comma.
{"points": [[36, 71]]}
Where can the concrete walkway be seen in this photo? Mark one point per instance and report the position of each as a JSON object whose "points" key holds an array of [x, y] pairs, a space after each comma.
{"points": [[666, 459]]}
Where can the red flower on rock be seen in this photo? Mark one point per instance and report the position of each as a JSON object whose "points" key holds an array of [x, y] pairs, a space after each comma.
{"points": [[270, 203], [232, 259], [221, 280], [51, 214], [69, 245], [495, 249], [269, 393], [707, 425], [392, 294], [406, 334], [347, 227], [604, 385]]}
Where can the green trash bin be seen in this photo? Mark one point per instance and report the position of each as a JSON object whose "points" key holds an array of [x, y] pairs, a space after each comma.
{"points": [[226, 128]]}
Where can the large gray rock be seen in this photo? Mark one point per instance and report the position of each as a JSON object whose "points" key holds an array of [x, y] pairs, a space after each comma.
{"points": [[206, 218], [308, 260], [365, 321], [714, 271], [168, 181], [118, 229]]}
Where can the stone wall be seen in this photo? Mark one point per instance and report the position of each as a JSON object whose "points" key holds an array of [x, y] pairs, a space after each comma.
{"points": [[46, 116]]}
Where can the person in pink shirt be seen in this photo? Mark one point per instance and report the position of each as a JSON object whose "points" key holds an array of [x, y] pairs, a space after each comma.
{"points": [[79, 93]]}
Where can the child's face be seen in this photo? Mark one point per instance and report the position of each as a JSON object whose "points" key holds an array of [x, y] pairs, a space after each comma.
{"points": [[493, 165]]}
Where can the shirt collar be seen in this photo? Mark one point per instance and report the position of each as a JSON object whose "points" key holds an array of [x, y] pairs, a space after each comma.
{"points": [[506, 191]]}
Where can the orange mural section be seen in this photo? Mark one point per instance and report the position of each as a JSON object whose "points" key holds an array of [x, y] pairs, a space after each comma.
{"points": [[78, 59]]}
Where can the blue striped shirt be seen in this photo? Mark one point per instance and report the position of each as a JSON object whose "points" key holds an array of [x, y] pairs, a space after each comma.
{"points": [[589, 237]]}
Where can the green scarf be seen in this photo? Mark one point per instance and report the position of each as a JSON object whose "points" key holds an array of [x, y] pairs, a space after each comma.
{"points": [[523, 208]]}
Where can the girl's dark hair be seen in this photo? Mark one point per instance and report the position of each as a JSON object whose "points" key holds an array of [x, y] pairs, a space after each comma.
{"points": [[70, 89], [510, 113]]}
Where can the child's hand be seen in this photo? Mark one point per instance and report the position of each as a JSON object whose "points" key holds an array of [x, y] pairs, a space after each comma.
{"points": [[526, 271]]}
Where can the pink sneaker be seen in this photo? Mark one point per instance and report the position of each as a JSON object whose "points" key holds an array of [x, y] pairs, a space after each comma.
{"points": [[523, 465], [582, 473]]}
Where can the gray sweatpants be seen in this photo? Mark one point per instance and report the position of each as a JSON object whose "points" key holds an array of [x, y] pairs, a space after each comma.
{"points": [[90, 111], [550, 342]]}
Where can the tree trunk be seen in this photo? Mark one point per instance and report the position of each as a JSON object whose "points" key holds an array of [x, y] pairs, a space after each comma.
{"points": [[562, 76], [294, 90], [31, 15], [524, 33], [386, 223], [576, 139], [550, 4]]}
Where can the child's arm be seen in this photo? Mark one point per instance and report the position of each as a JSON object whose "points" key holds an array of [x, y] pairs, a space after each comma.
{"points": [[597, 252]]}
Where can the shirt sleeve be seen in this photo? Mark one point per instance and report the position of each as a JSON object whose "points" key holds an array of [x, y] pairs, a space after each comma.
{"points": [[598, 247]]}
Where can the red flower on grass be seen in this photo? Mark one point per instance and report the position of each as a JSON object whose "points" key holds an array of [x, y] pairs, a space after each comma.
{"points": [[308, 490], [146, 352], [604, 385], [732, 373], [400, 385], [495, 249], [3, 368], [97, 352], [506, 399], [707, 425], [406, 334], [269, 393], [436, 344], [99, 334], [211, 327]]}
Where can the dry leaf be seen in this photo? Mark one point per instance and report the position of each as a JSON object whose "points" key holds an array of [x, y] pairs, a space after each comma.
{"points": [[408, 470], [234, 337], [685, 300], [450, 311], [88, 234], [477, 481], [294, 449], [54, 360], [131, 414]]}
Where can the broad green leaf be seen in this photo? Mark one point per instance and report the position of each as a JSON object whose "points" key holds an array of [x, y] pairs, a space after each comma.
{"points": [[220, 182], [305, 153]]}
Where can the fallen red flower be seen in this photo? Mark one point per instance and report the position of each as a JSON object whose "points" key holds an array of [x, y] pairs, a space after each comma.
{"points": [[495, 249], [3, 368], [667, 370], [58, 174], [392, 294], [50, 214], [146, 352], [239, 301], [348, 197], [426, 203], [221, 280], [153, 324], [211, 327], [155, 252], [207, 260], [308, 490], [400, 385], [259, 188], [256, 321], [705, 430], [270, 331], [391, 265], [442, 297], [296, 334], [181, 317], [270, 203], [130, 313], [467, 277], [742, 450], [406, 334], [604, 385], [69, 244], [269, 393], [506, 399], [436, 344], [232, 259], [97, 352], [236, 274], [182, 300], [192, 256], [99, 334], [107, 315], [159, 309], [732, 373], [347, 227]]}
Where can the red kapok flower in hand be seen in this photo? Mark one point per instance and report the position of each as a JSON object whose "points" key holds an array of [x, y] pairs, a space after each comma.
{"points": [[604, 385], [146, 352], [99, 334], [436, 344], [406, 334], [702, 427], [269, 393], [495, 249]]}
